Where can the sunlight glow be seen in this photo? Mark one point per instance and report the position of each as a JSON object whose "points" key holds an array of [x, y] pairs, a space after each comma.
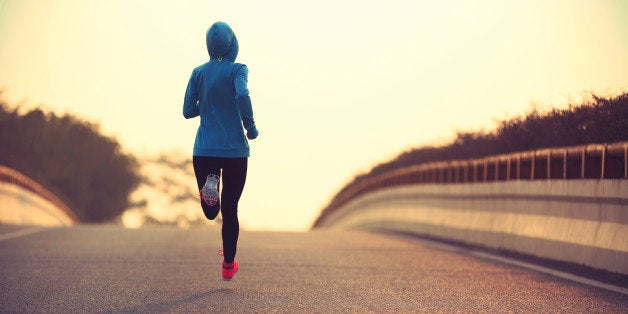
{"points": [[336, 85]]}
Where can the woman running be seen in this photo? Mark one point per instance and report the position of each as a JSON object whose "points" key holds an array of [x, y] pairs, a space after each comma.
{"points": [[217, 92]]}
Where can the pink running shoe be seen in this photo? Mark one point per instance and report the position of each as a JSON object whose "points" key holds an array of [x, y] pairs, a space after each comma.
{"points": [[228, 270], [209, 192]]}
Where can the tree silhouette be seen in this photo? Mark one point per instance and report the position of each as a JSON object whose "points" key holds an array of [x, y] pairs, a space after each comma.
{"points": [[597, 120], [70, 157]]}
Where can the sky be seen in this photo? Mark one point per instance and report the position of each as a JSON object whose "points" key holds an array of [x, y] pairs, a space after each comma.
{"points": [[337, 86]]}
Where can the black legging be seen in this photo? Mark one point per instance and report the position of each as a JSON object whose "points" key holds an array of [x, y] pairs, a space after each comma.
{"points": [[233, 179]]}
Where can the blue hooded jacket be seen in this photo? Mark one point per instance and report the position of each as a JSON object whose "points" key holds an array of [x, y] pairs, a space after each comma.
{"points": [[217, 92]]}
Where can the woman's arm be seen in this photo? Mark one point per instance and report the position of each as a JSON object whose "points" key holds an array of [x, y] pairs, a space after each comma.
{"points": [[244, 102], [190, 102]]}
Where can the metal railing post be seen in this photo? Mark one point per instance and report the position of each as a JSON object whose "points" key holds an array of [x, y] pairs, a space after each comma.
{"points": [[532, 162], [603, 161], [565, 163], [508, 169], [549, 164], [584, 153], [519, 166]]}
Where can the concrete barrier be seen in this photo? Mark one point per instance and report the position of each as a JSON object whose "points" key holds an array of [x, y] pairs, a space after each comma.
{"points": [[578, 221], [21, 206], [24, 201]]}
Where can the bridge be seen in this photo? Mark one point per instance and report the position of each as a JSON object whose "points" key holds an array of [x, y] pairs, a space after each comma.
{"points": [[423, 239], [566, 204], [26, 202]]}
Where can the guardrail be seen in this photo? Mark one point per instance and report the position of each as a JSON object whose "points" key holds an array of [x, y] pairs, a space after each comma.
{"points": [[594, 161], [12, 176]]}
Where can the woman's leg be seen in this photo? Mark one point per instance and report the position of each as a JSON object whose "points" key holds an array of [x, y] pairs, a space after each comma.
{"points": [[233, 179], [204, 166]]}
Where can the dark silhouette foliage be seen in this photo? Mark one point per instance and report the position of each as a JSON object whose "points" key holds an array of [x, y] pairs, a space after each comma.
{"points": [[598, 120], [71, 158]]}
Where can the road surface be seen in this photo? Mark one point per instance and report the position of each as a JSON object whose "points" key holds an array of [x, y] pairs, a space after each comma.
{"points": [[108, 268]]}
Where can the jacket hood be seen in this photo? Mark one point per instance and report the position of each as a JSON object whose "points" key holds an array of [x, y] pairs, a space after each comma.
{"points": [[221, 42]]}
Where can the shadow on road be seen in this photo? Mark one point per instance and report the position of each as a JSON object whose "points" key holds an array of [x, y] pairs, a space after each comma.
{"points": [[170, 305]]}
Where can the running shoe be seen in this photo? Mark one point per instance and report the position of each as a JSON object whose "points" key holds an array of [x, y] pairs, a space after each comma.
{"points": [[228, 270], [209, 192]]}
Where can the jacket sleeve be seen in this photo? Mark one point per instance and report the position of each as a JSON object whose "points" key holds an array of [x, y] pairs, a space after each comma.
{"points": [[190, 102], [244, 101]]}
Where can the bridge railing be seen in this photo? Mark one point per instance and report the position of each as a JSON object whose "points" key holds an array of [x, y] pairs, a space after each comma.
{"points": [[594, 161], [15, 177]]}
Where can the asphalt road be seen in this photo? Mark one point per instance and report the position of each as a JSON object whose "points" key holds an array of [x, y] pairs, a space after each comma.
{"points": [[112, 269]]}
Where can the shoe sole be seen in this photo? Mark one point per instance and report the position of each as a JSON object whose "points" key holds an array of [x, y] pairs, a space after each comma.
{"points": [[209, 192], [211, 198]]}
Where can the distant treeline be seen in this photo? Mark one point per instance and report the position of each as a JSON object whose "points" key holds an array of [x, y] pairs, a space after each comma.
{"points": [[597, 120], [71, 158]]}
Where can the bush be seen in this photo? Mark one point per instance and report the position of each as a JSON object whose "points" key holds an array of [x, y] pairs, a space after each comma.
{"points": [[598, 120], [71, 158]]}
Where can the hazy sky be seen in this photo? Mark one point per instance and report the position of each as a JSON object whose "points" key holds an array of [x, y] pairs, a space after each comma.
{"points": [[336, 85]]}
